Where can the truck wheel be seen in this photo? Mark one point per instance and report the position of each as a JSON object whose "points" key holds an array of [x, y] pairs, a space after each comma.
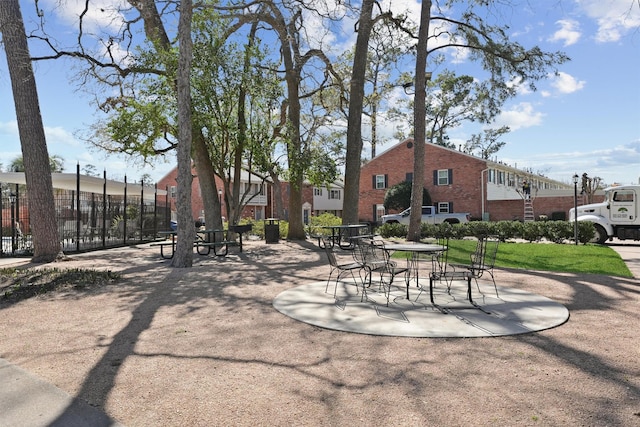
{"points": [[601, 235]]}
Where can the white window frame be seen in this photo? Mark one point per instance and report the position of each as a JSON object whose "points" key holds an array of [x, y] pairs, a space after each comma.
{"points": [[443, 207], [443, 176], [334, 194], [380, 182]]}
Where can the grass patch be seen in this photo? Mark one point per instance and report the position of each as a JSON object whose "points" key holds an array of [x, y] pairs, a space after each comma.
{"points": [[18, 284], [591, 259]]}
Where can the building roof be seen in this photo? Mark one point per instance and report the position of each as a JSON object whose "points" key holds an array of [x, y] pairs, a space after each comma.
{"points": [[90, 184], [490, 163]]}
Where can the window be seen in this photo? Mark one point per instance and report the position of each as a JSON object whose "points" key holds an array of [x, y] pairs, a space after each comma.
{"points": [[442, 177], [623, 196], [409, 177], [317, 191], [172, 191], [500, 177], [380, 182], [252, 189], [379, 211], [334, 194], [443, 207]]}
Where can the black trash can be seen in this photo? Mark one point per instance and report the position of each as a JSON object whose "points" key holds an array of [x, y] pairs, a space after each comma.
{"points": [[272, 230]]}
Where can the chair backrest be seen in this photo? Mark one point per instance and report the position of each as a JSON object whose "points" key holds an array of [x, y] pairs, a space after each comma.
{"points": [[328, 249], [360, 250], [370, 251], [484, 257], [378, 251], [440, 260]]}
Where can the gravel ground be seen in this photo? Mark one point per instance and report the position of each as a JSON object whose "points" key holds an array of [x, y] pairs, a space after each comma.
{"points": [[204, 347]]}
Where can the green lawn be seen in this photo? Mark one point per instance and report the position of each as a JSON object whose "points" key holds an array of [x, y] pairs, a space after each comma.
{"points": [[594, 259]]}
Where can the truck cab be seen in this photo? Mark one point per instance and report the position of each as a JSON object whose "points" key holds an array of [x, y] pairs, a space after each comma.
{"points": [[616, 216]]}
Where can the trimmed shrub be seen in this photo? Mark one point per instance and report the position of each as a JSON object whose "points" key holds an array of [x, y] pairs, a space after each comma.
{"points": [[558, 231], [317, 222]]}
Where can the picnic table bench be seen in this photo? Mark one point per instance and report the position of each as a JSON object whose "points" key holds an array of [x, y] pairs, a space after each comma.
{"points": [[171, 243], [206, 240]]}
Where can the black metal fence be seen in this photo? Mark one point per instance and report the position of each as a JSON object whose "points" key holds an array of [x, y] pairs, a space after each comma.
{"points": [[86, 220]]}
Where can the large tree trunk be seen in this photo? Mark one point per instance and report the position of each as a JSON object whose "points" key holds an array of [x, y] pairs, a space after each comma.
{"points": [[46, 242], [294, 147], [294, 154], [156, 33], [354, 121], [183, 256], [206, 179], [419, 114]]}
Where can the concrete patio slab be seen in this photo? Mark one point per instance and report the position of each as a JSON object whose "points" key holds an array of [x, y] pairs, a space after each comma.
{"points": [[512, 312]]}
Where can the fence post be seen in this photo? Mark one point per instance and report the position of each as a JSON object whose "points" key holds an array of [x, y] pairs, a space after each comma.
{"points": [[78, 214], [124, 226], [104, 210]]}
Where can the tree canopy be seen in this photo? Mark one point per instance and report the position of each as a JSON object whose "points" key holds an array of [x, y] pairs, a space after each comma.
{"points": [[267, 95]]}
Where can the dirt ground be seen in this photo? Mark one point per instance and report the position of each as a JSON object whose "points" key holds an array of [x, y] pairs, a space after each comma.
{"points": [[204, 347]]}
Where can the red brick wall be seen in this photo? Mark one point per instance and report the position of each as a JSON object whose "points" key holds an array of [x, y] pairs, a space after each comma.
{"points": [[169, 180], [197, 205], [507, 210], [307, 197], [463, 192]]}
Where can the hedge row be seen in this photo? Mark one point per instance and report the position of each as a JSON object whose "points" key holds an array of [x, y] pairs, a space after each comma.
{"points": [[554, 231]]}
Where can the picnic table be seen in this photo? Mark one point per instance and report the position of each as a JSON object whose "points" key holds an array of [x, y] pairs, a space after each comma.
{"points": [[204, 241], [219, 240], [171, 235], [342, 234]]}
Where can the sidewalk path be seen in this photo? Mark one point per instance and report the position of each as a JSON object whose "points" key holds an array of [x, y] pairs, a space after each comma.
{"points": [[26, 401], [630, 253]]}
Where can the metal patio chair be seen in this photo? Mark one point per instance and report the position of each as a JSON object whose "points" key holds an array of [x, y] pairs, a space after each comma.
{"points": [[481, 260], [372, 255], [341, 268]]}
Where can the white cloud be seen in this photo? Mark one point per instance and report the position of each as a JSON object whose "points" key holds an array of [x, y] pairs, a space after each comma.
{"points": [[100, 20], [522, 89], [54, 135], [618, 164], [522, 115], [566, 83], [101, 14], [9, 128], [59, 136], [568, 32], [614, 18]]}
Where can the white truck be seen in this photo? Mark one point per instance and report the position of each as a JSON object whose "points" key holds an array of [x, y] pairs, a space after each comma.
{"points": [[617, 216], [429, 215]]}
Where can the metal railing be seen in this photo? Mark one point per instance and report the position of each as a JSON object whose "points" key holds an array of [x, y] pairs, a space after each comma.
{"points": [[86, 220]]}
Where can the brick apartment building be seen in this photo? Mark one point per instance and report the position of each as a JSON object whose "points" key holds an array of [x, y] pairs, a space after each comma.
{"points": [[456, 181], [315, 200], [460, 182], [259, 206]]}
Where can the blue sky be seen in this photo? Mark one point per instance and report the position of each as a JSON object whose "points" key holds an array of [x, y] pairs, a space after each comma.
{"points": [[587, 119]]}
